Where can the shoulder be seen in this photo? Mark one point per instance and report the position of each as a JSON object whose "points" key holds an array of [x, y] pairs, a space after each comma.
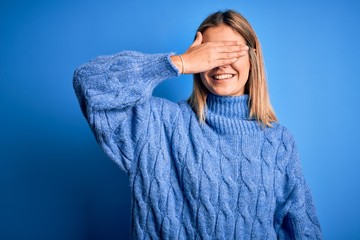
{"points": [[184, 105], [279, 133], [186, 111], [164, 106]]}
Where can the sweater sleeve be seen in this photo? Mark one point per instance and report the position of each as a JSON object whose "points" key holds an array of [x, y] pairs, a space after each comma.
{"points": [[114, 93], [295, 216]]}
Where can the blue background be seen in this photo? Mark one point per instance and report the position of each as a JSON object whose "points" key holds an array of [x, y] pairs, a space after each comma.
{"points": [[56, 183]]}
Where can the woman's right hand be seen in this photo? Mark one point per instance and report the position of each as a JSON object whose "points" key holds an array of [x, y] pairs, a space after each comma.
{"points": [[201, 57]]}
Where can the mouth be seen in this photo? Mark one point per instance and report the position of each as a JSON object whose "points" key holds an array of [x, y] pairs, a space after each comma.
{"points": [[224, 76]]}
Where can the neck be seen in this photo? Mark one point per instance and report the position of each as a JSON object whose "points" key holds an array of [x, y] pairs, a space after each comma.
{"points": [[230, 115]]}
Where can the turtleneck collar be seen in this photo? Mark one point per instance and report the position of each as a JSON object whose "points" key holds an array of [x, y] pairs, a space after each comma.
{"points": [[230, 114]]}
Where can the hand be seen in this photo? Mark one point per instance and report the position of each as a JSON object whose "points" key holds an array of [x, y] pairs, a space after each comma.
{"points": [[201, 57]]}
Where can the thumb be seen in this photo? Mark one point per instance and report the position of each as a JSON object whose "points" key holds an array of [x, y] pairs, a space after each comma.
{"points": [[198, 40]]}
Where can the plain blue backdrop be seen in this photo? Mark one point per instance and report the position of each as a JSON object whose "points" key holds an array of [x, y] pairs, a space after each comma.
{"points": [[56, 183]]}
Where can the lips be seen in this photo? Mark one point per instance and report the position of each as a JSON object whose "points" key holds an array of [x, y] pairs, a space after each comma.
{"points": [[222, 76]]}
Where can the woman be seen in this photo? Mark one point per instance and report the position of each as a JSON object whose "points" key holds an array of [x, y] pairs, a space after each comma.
{"points": [[218, 166]]}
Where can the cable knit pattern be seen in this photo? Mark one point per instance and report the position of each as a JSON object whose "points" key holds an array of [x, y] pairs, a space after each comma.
{"points": [[226, 179]]}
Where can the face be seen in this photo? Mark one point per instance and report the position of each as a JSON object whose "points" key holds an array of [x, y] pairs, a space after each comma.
{"points": [[227, 80]]}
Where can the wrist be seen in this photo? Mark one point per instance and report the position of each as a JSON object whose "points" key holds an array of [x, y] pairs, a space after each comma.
{"points": [[178, 62]]}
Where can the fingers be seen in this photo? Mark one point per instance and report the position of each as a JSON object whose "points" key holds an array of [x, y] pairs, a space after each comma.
{"points": [[228, 47], [228, 61], [229, 52], [226, 43], [202, 56], [229, 55]]}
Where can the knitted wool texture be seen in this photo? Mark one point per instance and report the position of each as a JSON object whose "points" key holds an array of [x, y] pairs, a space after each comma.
{"points": [[226, 179]]}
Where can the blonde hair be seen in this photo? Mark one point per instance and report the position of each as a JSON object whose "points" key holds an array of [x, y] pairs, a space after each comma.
{"points": [[255, 87]]}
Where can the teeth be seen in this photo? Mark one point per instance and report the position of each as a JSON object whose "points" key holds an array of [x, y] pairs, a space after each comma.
{"points": [[222, 76]]}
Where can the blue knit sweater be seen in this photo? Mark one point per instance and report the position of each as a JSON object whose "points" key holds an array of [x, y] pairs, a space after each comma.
{"points": [[226, 179]]}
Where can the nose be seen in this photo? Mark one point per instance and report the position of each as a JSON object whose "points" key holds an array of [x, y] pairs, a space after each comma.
{"points": [[222, 67]]}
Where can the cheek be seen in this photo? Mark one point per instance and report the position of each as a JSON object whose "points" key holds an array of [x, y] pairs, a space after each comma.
{"points": [[203, 77], [242, 66]]}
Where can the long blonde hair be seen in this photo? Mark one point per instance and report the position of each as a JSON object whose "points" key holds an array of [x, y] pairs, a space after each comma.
{"points": [[255, 87]]}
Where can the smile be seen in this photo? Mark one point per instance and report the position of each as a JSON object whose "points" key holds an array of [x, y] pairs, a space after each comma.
{"points": [[223, 76]]}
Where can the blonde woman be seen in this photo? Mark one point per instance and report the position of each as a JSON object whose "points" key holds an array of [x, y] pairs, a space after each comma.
{"points": [[218, 166]]}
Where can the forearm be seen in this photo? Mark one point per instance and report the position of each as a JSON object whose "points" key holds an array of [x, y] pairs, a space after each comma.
{"points": [[117, 81]]}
